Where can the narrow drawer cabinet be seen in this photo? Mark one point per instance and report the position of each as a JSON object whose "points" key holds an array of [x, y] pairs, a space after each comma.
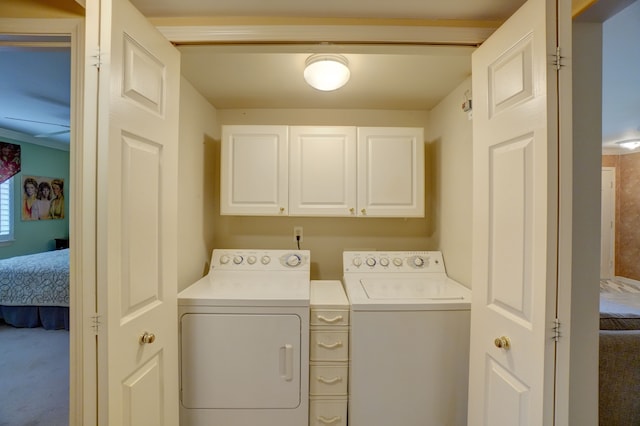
{"points": [[328, 354], [327, 410]]}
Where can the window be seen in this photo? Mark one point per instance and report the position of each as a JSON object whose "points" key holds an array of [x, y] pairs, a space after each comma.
{"points": [[6, 210]]}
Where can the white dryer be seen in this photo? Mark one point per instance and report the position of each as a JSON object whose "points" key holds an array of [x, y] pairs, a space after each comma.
{"points": [[244, 341], [409, 340]]}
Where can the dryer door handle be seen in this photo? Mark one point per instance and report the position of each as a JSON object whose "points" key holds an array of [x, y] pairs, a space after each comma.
{"points": [[286, 362]]}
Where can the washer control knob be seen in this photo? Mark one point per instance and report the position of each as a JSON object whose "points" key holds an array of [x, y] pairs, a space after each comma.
{"points": [[237, 259], [371, 261], [357, 262], [224, 259], [384, 261], [397, 261], [251, 260], [293, 260], [265, 260], [418, 261]]}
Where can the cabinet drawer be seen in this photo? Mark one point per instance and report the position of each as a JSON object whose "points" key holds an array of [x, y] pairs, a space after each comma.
{"points": [[323, 412], [329, 317], [329, 346], [328, 379]]}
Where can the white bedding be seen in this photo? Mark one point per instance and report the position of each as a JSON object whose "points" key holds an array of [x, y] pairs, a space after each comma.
{"points": [[40, 279]]}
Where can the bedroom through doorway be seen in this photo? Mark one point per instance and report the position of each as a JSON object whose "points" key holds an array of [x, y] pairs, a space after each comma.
{"points": [[35, 115]]}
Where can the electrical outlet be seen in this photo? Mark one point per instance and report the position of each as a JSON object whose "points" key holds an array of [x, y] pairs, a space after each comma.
{"points": [[297, 233]]}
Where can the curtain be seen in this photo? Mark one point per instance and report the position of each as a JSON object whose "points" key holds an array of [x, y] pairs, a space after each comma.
{"points": [[9, 160]]}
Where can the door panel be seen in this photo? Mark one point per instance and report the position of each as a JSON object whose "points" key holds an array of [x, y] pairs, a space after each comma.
{"points": [[138, 98], [607, 224], [510, 289], [515, 187], [254, 170], [323, 171]]}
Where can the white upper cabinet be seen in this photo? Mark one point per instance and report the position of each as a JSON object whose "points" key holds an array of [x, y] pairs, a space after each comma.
{"points": [[390, 172], [253, 170], [322, 172]]}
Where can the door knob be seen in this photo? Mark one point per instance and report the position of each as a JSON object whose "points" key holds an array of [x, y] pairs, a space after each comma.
{"points": [[147, 338], [502, 342]]}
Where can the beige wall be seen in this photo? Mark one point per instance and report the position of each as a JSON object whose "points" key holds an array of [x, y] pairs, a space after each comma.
{"points": [[198, 133], [450, 142], [40, 9], [581, 329], [327, 238]]}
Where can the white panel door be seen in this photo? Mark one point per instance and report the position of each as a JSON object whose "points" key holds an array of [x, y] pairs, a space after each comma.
{"points": [[138, 98], [322, 178], [515, 190], [390, 171], [240, 361], [254, 166], [607, 228]]}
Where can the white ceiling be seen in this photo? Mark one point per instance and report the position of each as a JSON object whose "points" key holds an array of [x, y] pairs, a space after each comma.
{"points": [[410, 9], [35, 84]]}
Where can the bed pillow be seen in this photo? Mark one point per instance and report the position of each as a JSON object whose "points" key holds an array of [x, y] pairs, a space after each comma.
{"points": [[611, 321]]}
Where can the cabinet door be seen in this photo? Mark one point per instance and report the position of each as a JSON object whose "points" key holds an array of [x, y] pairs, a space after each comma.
{"points": [[253, 170], [322, 174], [390, 171]]}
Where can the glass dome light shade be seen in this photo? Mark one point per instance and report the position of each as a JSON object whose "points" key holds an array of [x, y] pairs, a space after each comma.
{"points": [[630, 143], [327, 72]]}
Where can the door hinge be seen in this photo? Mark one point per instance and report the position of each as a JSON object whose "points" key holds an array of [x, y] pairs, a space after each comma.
{"points": [[557, 59], [96, 323], [556, 330], [96, 60]]}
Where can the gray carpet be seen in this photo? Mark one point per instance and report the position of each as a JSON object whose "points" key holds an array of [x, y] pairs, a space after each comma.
{"points": [[34, 376]]}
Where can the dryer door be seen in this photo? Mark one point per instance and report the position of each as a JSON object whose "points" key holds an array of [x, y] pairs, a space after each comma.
{"points": [[240, 361]]}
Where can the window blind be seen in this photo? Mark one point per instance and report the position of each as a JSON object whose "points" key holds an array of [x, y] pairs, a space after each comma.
{"points": [[6, 219]]}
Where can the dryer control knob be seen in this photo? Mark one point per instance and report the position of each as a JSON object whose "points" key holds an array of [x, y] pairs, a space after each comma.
{"points": [[237, 260], [265, 260], [357, 261], [418, 261], [397, 261], [371, 261], [293, 260], [251, 260], [384, 261], [224, 259]]}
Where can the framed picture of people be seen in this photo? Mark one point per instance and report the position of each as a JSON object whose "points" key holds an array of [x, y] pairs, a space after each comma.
{"points": [[42, 198]]}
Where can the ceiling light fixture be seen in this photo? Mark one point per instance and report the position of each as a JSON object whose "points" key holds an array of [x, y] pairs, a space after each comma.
{"points": [[629, 143], [326, 72]]}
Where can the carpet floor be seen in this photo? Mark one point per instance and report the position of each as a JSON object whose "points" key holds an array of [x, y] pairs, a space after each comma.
{"points": [[34, 376]]}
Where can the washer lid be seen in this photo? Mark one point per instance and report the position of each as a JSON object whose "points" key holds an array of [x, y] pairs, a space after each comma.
{"points": [[416, 293], [259, 289]]}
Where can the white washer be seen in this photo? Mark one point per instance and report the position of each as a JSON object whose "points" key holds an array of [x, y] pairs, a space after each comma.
{"points": [[409, 340], [244, 341]]}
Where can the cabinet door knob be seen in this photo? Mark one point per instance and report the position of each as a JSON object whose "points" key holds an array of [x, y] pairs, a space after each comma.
{"points": [[502, 342], [363, 211], [281, 209], [352, 210]]}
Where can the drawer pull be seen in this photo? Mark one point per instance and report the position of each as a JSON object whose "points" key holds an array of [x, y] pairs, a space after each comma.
{"points": [[330, 320], [329, 381], [330, 345], [329, 421]]}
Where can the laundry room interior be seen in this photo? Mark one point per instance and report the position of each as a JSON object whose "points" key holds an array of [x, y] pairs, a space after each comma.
{"points": [[445, 226]]}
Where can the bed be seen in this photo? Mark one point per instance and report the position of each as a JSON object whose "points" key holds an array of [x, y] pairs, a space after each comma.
{"points": [[34, 290], [619, 359]]}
